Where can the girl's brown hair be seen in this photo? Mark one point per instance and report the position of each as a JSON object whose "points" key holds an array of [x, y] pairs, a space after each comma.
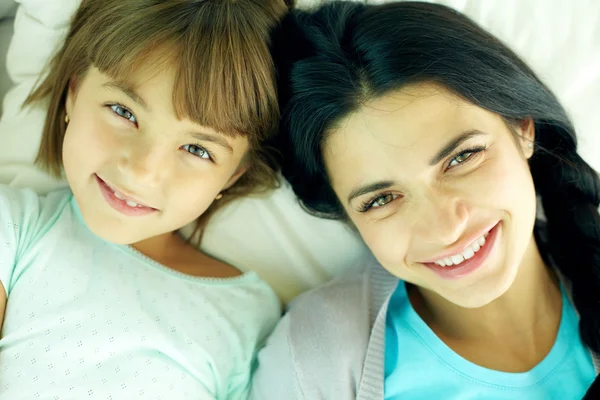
{"points": [[225, 75]]}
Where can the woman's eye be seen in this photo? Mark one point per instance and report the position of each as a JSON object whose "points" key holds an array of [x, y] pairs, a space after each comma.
{"points": [[197, 151], [379, 201], [123, 113], [461, 158]]}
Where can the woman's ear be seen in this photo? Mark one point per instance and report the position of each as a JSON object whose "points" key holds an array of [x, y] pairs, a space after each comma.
{"points": [[526, 136]]}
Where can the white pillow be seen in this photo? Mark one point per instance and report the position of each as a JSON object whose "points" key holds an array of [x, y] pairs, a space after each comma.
{"points": [[6, 27], [7, 8], [560, 40], [273, 236]]}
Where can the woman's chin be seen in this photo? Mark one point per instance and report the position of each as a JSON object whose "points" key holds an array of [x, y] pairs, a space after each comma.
{"points": [[484, 291]]}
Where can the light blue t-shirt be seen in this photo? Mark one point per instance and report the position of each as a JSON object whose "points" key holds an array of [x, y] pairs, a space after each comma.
{"points": [[88, 319], [419, 366]]}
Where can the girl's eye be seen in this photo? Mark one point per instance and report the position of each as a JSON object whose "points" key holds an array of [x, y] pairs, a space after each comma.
{"points": [[123, 113], [379, 201], [197, 151]]}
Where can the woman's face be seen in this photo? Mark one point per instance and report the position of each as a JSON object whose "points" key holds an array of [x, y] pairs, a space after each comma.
{"points": [[439, 189]]}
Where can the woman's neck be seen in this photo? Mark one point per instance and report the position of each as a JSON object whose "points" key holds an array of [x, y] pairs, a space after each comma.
{"points": [[523, 321]]}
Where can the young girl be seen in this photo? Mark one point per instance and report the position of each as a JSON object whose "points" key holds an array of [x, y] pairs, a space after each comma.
{"points": [[156, 115], [433, 139]]}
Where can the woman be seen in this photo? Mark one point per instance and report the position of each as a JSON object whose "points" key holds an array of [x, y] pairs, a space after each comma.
{"points": [[434, 140]]}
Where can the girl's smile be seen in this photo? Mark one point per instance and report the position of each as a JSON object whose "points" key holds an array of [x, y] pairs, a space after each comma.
{"points": [[144, 160], [124, 204]]}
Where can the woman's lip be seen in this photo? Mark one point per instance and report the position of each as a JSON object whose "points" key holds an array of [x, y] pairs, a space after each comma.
{"points": [[461, 246], [470, 265]]}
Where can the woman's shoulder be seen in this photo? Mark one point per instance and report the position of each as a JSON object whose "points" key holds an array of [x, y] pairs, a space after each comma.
{"points": [[324, 336], [356, 291]]}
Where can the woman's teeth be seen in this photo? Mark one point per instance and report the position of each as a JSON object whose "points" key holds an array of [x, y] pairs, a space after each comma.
{"points": [[469, 252]]}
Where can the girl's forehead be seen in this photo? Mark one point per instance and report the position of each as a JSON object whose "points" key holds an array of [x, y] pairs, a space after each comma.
{"points": [[151, 92]]}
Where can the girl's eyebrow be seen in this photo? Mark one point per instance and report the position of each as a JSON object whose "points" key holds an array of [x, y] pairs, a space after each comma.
{"points": [[453, 144], [129, 91], [214, 138]]}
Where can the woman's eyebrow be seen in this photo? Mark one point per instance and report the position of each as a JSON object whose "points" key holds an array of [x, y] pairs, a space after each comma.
{"points": [[372, 187], [443, 153], [453, 144]]}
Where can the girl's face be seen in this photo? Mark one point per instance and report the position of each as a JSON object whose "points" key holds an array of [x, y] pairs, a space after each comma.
{"points": [[439, 189], [136, 170]]}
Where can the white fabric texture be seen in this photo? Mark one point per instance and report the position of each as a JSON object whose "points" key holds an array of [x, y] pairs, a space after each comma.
{"points": [[7, 8], [273, 236], [91, 319]]}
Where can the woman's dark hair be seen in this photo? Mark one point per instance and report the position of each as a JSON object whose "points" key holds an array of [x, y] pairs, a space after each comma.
{"points": [[333, 59]]}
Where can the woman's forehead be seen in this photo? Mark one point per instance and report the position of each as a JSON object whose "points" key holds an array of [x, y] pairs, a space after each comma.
{"points": [[404, 129], [405, 118]]}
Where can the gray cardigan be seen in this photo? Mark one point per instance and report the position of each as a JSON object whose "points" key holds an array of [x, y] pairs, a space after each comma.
{"points": [[330, 345]]}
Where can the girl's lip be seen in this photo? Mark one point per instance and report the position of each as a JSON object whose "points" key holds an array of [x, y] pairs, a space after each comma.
{"points": [[124, 194], [120, 205], [470, 265]]}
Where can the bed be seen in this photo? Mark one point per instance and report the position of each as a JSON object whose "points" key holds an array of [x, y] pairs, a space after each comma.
{"points": [[272, 235]]}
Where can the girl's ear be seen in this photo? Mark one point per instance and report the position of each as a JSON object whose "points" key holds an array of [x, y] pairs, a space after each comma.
{"points": [[237, 175], [71, 94], [527, 137]]}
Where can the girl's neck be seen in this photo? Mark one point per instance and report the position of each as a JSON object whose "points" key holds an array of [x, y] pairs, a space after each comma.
{"points": [[176, 253], [159, 247]]}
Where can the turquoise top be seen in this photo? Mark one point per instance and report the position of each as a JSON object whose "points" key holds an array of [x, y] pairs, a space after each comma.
{"points": [[90, 319], [418, 365]]}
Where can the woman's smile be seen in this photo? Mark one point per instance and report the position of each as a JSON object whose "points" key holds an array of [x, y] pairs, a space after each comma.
{"points": [[475, 255]]}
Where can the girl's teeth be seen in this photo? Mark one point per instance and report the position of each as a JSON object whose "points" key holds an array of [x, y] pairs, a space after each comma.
{"points": [[448, 261], [128, 202], [476, 247], [481, 241]]}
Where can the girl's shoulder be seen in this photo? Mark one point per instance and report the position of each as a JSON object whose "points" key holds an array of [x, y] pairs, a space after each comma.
{"points": [[25, 212], [26, 201], [25, 217]]}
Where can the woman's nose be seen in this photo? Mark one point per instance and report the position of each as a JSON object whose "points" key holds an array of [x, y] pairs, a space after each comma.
{"points": [[441, 218]]}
